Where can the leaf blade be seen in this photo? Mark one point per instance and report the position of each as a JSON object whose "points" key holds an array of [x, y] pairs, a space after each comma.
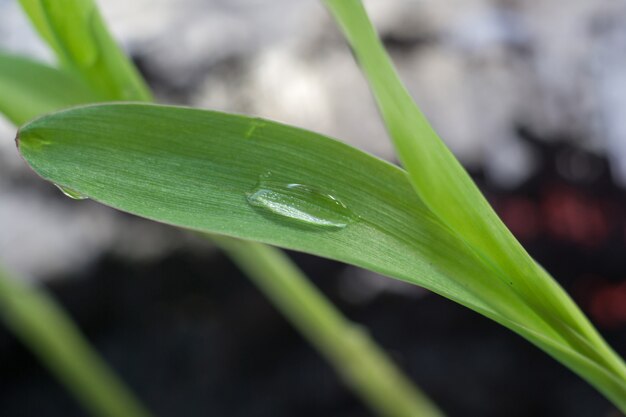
{"points": [[76, 32], [30, 89], [194, 168], [42, 325], [447, 189], [218, 168], [175, 165]]}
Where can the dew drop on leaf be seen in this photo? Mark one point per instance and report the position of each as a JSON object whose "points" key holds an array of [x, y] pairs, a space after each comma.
{"points": [[301, 203], [73, 194]]}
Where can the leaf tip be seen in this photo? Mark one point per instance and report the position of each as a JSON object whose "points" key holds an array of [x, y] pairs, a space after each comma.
{"points": [[28, 137], [17, 140]]}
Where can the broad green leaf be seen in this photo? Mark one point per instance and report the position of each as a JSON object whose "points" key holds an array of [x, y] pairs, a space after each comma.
{"points": [[76, 32], [506, 284], [203, 170], [448, 191], [200, 169], [387, 392], [52, 336], [29, 89]]}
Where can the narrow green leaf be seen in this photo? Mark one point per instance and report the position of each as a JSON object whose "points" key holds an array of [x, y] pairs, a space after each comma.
{"points": [[198, 169], [30, 89], [348, 347], [77, 34], [44, 327], [404, 401], [445, 188]]}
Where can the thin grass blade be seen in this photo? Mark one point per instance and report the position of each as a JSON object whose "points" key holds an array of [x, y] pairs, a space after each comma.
{"points": [[52, 336], [197, 169], [348, 347], [74, 29], [30, 89], [409, 401], [446, 188]]}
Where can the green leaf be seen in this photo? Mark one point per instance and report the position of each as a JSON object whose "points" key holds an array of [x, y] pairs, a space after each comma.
{"points": [[348, 347], [30, 89], [46, 329], [200, 169], [448, 191], [377, 379], [77, 34]]}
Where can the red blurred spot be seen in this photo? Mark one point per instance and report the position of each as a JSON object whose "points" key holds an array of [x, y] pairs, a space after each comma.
{"points": [[521, 216], [569, 216], [608, 305]]}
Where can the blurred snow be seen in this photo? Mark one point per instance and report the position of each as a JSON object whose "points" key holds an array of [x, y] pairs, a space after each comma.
{"points": [[480, 69]]}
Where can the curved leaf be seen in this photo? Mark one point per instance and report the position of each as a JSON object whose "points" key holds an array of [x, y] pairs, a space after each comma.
{"points": [[77, 34], [196, 169], [448, 191], [199, 169], [42, 325], [30, 89]]}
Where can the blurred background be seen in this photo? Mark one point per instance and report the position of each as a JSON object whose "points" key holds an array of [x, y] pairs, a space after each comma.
{"points": [[529, 95]]}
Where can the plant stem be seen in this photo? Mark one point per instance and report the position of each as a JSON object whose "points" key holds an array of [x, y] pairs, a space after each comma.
{"points": [[356, 357], [40, 323]]}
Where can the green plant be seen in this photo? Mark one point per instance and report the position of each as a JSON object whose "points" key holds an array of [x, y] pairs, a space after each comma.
{"points": [[49, 333], [259, 180], [91, 65]]}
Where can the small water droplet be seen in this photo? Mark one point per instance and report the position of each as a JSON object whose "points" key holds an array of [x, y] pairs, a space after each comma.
{"points": [[73, 194], [302, 203]]}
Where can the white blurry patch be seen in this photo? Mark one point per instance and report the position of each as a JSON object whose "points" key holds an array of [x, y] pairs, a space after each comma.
{"points": [[287, 88], [511, 162], [17, 35], [609, 79], [321, 92], [360, 286], [181, 36], [10, 162], [43, 237]]}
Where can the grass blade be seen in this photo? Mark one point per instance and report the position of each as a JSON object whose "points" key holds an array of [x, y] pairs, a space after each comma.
{"points": [[449, 192], [43, 326], [74, 29], [30, 89], [361, 363], [121, 84], [197, 169]]}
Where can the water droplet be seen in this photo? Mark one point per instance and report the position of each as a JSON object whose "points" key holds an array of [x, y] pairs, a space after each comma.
{"points": [[302, 203], [73, 194]]}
